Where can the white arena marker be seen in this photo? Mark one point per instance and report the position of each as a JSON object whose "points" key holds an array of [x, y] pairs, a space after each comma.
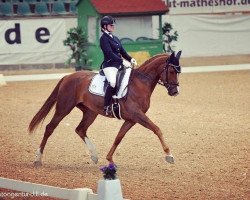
{"points": [[35, 77], [198, 69], [109, 190], [216, 68], [40, 190], [2, 80]]}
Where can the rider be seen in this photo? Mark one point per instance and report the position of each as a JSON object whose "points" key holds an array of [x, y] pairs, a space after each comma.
{"points": [[113, 57]]}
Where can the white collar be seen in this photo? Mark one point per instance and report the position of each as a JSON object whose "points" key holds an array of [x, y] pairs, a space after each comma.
{"points": [[110, 34]]}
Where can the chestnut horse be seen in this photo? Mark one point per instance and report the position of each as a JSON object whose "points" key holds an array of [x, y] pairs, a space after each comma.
{"points": [[72, 91]]}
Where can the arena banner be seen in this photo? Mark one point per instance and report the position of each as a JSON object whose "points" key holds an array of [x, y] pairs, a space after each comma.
{"points": [[207, 6], [30, 41], [211, 35]]}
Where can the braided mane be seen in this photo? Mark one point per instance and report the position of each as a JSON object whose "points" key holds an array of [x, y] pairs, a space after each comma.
{"points": [[153, 58]]}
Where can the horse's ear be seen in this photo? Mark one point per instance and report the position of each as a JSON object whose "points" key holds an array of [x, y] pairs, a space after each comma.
{"points": [[172, 56], [178, 55]]}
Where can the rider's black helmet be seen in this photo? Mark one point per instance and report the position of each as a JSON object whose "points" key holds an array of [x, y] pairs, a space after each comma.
{"points": [[107, 20]]}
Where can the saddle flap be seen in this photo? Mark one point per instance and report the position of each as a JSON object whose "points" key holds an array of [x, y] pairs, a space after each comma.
{"points": [[120, 75]]}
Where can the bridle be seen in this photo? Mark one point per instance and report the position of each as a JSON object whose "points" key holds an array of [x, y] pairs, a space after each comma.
{"points": [[167, 83]]}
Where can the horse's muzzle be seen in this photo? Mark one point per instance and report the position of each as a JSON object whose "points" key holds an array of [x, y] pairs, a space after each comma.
{"points": [[173, 90]]}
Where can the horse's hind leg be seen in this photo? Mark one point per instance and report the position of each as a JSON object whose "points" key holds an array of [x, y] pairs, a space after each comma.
{"points": [[57, 118], [87, 119], [48, 131]]}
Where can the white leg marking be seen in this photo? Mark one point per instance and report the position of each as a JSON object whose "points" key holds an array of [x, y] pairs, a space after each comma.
{"points": [[38, 155], [38, 159], [92, 150]]}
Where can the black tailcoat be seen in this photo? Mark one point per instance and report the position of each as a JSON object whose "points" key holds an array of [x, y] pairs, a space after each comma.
{"points": [[112, 51]]}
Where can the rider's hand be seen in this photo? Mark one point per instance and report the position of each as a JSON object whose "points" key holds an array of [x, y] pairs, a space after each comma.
{"points": [[126, 63], [133, 62]]}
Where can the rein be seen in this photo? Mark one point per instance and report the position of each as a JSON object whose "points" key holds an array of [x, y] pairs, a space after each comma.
{"points": [[166, 83]]}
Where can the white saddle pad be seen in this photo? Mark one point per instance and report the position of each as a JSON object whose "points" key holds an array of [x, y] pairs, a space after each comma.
{"points": [[97, 84]]}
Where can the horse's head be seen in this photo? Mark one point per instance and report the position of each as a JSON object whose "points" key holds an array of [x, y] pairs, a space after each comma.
{"points": [[170, 74]]}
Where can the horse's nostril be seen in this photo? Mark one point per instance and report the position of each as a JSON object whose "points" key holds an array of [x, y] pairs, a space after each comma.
{"points": [[173, 91]]}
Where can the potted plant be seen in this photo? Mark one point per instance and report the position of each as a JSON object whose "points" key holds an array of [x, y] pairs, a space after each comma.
{"points": [[109, 188], [77, 42], [169, 35]]}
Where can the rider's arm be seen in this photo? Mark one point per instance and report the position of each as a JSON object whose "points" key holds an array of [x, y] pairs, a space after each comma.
{"points": [[125, 54]]}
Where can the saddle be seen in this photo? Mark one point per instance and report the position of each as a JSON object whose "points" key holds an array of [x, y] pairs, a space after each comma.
{"points": [[99, 83], [119, 77]]}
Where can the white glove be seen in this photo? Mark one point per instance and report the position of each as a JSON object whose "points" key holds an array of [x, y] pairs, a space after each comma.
{"points": [[126, 63], [133, 62]]}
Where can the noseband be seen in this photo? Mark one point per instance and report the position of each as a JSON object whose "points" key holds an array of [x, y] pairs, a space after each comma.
{"points": [[167, 83]]}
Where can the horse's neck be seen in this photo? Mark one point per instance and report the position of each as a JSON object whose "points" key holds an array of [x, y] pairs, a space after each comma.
{"points": [[153, 67], [149, 72]]}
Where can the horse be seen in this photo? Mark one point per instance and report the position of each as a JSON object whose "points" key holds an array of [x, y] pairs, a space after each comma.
{"points": [[72, 91]]}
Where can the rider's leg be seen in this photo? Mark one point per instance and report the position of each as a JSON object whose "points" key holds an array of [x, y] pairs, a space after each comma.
{"points": [[110, 73], [108, 96]]}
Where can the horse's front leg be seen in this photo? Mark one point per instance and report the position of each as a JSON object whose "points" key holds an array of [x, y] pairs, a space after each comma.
{"points": [[142, 119], [123, 130]]}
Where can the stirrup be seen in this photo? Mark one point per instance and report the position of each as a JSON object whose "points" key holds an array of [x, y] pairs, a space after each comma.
{"points": [[107, 110]]}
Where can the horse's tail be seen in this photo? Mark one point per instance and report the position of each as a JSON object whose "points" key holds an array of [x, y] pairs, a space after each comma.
{"points": [[44, 110]]}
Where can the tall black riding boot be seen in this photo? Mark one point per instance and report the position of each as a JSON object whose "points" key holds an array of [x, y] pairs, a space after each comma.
{"points": [[107, 98]]}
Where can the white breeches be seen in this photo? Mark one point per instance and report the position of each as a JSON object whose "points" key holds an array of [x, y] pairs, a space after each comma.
{"points": [[110, 73]]}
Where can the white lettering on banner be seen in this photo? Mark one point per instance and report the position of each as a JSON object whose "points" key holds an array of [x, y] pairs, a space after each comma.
{"points": [[207, 6], [33, 40]]}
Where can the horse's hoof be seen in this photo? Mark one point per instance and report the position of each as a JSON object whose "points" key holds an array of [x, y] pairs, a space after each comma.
{"points": [[94, 159], [170, 159], [37, 164]]}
